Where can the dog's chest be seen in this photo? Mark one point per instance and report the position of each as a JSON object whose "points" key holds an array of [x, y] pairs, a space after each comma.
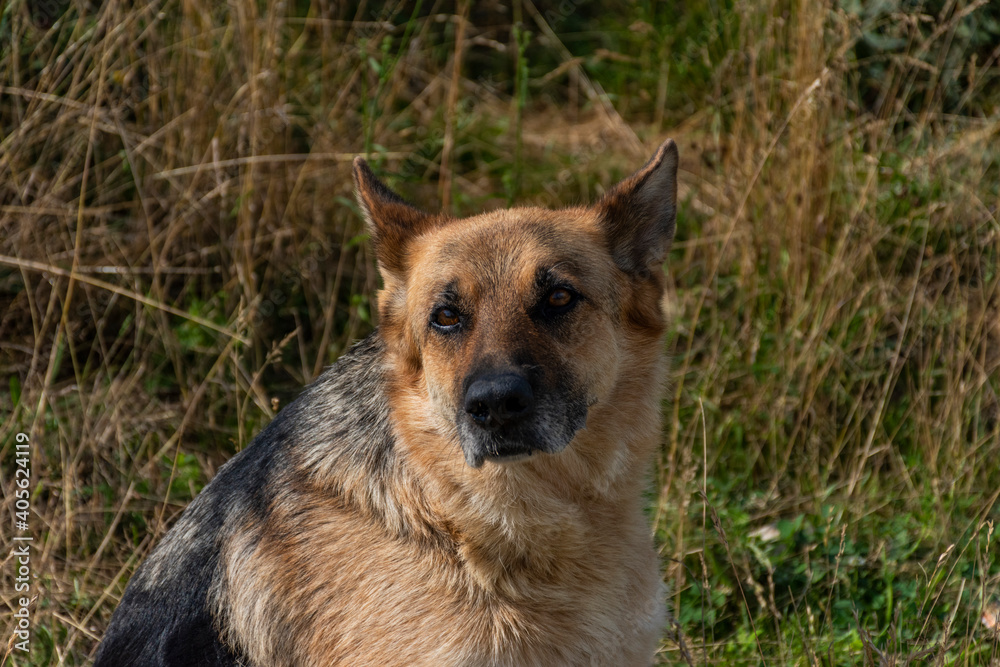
{"points": [[609, 621], [388, 603]]}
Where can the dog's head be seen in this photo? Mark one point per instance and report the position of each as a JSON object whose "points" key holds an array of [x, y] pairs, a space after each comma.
{"points": [[514, 323]]}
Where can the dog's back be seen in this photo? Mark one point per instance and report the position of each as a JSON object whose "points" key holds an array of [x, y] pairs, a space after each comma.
{"points": [[167, 615]]}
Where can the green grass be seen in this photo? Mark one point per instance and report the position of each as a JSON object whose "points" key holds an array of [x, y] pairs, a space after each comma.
{"points": [[180, 253]]}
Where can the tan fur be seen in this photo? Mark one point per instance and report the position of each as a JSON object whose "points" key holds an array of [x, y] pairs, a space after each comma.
{"points": [[545, 561]]}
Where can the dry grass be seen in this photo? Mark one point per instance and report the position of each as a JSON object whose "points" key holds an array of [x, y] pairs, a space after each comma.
{"points": [[179, 254]]}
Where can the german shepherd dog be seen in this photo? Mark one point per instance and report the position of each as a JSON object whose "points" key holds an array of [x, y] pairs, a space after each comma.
{"points": [[464, 486]]}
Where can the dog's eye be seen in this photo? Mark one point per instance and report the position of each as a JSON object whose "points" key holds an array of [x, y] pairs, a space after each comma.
{"points": [[445, 318], [559, 300]]}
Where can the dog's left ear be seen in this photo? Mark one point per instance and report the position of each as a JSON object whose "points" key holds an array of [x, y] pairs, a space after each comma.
{"points": [[638, 214], [392, 222]]}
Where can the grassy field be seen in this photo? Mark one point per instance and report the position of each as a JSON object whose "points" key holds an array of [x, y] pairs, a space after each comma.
{"points": [[180, 253]]}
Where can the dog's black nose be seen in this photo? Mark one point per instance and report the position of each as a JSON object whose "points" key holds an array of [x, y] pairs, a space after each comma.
{"points": [[498, 400]]}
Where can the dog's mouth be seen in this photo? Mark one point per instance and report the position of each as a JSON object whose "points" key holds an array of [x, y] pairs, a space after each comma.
{"points": [[476, 457], [480, 446], [507, 445], [511, 458], [512, 445]]}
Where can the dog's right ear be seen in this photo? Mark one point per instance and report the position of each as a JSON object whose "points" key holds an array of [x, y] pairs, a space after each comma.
{"points": [[392, 222]]}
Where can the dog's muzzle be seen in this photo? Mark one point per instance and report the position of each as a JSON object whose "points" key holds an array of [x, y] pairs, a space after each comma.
{"points": [[505, 417], [498, 419]]}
